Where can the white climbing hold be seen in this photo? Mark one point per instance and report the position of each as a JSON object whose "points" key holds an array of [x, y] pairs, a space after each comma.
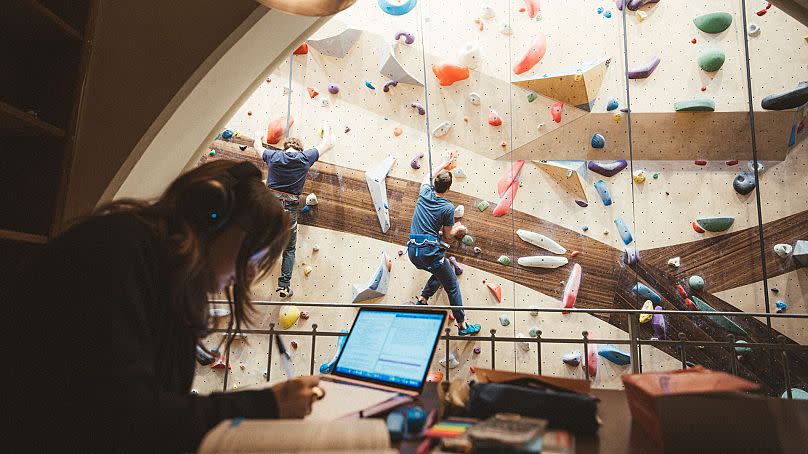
{"points": [[525, 346], [504, 320], [505, 28], [377, 286], [541, 125], [675, 262], [541, 241], [286, 91], [753, 29], [469, 55], [533, 331], [474, 98], [311, 199], [460, 210], [337, 45], [217, 312], [572, 359], [487, 12], [641, 15], [782, 250], [315, 248], [442, 129], [542, 261], [390, 67], [534, 310], [459, 173], [453, 362], [324, 102], [375, 178]]}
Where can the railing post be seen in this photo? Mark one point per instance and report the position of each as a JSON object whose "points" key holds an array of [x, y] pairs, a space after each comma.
{"points": [[226, 365], [632, 333], [493, 349], [786, 368], [538, 352], [313, 343], [269, 350], [585, 335], [446, 366], [733, 358], [682, 352]]}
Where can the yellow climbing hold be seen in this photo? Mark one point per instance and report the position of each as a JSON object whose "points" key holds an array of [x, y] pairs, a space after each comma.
{"points": [[307, 270], [639, 176], [647, 306], [617, 116], [641, 15], [288, 316]]}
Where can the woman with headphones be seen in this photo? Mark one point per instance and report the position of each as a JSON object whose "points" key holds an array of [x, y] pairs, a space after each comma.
{"points": [[105, 322]]}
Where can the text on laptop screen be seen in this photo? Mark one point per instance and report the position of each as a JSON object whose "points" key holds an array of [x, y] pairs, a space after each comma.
{"points": [[393, 347]]}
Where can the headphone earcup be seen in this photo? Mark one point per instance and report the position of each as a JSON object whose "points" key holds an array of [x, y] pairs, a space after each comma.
{"points": [[208, 204]]}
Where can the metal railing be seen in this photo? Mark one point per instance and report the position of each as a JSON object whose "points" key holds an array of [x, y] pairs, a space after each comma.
{"points": [[635, 343]]}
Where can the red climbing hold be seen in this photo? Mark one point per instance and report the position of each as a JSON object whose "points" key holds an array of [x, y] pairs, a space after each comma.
{"points": [[504, 205], [220, 363], [249, 113], [571, 289], [555, 111], [312, 92], [732, 162], [269, 80], [449, 73], [681, 290], [496, 289], [533, 55], [521, 10], [693, 41], [507, 180], [473, 369], [700, 162], [574, 253], [451, 316], [690, 304], [277, 128], [494, 118], [696, 227], [293, 344], [533, 8], [302, 50], [764, 10], [703, 88]]}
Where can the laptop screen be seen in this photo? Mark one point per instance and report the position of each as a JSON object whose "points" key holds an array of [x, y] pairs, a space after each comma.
{"points": [[391, 347]]}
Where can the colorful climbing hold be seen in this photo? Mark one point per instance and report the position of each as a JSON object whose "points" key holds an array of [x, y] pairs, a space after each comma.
{"points": [[690, 305], [572, 359], [227, 134], [713, 22], [598, 141], [744, 183], [647, 292], [303, 49], [531, 96], [277, 128], [712, 59], [504, 260], [581, 203], [496, 289], [307, 269], [312, 92], [571, 289], [555, 111], [416, 161], [483, 205], [782, 250], [681, 290], [398, 8], [212, 153], [623, 230], [638, 176], [456, 265], [790, 99], [612, 104], [695, 105], [369, 85], [388, 85], [533, 55], [719, 320], [647, 306], [614, 354], [659, 325], [504, 320], [634, 5], [716, 223], [644, 71], [449, 73], [641, 16], [311, 199], [675, 262], [607, 14], [780, 306], [397, 131], [493, 118], [533, 7], [477, 350], [603, 191], [585, 228], [696, 282], [468, 240], [409, 38], [288, 316], [700, 162], [477, 250], [607, 169], [442, 129]]}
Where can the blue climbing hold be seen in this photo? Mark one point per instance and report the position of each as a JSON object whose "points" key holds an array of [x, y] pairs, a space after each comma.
{"points": [[227, 134], [305, 209], [598, 141], [647, 293], [607, 14], [614, 355], [612, 104], [604, 192], [369, 85], [397, 9], [781, 306], [600, 10], [792, 139], [623, 230]]}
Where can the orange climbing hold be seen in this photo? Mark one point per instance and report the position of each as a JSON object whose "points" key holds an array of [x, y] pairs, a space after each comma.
{"points": [[555, 111], [449, 73], [494, 119], [397, 131], [533, 55], [533, 8], [277, 128], [434, 376], [479, 23], [496, 289], [696, 227], [466, 119], [312, 92], [453, 155], [302, 50]]}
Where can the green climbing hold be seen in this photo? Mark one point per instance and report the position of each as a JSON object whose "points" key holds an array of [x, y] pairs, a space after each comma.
{"points": [[482, 205], [504, 260], [694, 105], [468, 240], [212, 153], [711, 59], [713, 22], [715, 224], [696, 282], [719, 320], [531, 97]]}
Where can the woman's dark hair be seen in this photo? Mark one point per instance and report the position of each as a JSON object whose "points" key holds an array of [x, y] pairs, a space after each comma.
{"points": [[189, 268], [443, 181]]}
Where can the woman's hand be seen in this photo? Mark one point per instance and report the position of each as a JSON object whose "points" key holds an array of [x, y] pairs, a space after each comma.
{"points": [[294, 397]]}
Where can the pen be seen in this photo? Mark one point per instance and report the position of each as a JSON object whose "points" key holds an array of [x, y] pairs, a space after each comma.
{"points": [[318, 392]]}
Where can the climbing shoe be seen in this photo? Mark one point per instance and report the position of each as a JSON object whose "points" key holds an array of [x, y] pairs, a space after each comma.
{"points": [[284, 292], [471, 329]]}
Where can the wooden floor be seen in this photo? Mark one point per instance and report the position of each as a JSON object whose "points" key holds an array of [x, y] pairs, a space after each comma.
{"points": [[725, 261]]}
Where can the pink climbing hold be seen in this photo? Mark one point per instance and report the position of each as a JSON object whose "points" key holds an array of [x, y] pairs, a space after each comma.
{"points": [[416, 161], [494, 119], [555, 111], [533, 55], [504, 205], [592, 359], [277, 128], [507, 180], [533, 8], [496, 289], [312, 92], [571, 289], [449, 73]]}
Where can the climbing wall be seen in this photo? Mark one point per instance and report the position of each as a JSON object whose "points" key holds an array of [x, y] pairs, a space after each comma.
{"points": [[371, 125]]}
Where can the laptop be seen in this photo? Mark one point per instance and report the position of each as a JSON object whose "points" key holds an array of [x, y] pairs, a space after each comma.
{"points": [[389, 349]]}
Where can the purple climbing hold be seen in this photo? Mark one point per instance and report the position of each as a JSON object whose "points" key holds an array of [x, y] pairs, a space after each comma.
{"points": [[581, 203], [333, 89], [416, 161], [619, 4], [607, 169], [409, 38], [659, 325], [634, 5], [389, 84], [477, 350], [457, 268], [644, 71], [418, 106]]}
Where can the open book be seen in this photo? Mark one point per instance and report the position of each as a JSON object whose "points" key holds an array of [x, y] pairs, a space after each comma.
{"points": [[290, 435]]}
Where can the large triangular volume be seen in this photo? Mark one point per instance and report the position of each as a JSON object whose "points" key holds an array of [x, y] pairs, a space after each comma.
{"points": [[568, 177], [378, 190], [390, 66], [578, 87], [338, 45], [377, 286]]}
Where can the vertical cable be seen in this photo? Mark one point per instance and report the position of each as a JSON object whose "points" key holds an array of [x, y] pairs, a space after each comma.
{"points": [[426, 90], [289, 97], [757, 179], [510, 160]]}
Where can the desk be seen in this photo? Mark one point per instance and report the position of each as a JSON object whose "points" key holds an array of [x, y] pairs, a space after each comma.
{"points": [[616, 435]]}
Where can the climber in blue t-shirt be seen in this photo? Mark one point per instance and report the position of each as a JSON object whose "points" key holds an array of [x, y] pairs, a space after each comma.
{"points": [[433, 217], [288, 169]]}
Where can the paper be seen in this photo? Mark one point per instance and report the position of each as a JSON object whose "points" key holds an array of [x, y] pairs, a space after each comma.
{"points": [[341, 400]]}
